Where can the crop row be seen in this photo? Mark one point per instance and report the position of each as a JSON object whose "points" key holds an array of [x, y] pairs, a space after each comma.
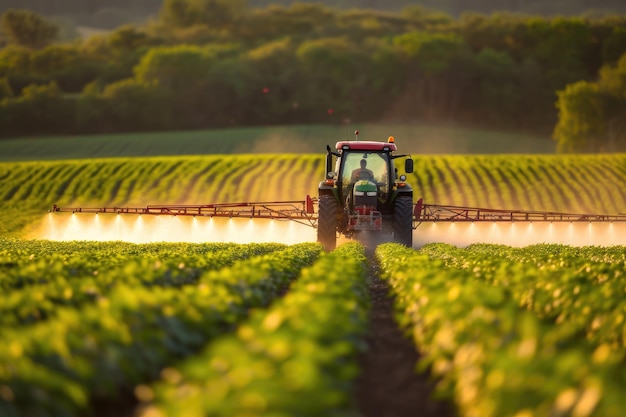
{"points": [[580, 183], [586, 184], [493, 357], [580, 290], [296, 358], [143, 181], [35, 288], [56, 366], [28, 262]]}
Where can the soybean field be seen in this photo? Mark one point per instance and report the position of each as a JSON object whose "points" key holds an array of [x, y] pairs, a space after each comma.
{"points": [[114, 328], [285, 329], [577, 183]]}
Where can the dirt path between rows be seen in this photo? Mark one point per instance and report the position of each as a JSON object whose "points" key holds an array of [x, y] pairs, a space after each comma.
{"points": [[388, 385]]}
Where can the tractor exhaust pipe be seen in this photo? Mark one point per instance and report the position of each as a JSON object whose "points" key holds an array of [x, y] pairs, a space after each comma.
{"points": [[329, 161]]}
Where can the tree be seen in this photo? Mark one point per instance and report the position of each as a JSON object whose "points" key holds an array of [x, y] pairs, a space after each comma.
{"points": [[137, 106], [26, 28], [206, 83], [436, 71], [592, 116], [176, 13], [274, 82], [581, 124], [65, 64], [276, 22], [213, 13], [40, 109], [498, 94], [612, 84], [178, 68], [333, 70]]}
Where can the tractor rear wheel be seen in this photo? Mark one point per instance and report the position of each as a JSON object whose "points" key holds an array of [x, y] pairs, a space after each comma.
{"points": [[403, 220], [327, 222]]}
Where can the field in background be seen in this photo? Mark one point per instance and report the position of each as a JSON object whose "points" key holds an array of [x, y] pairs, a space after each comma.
{"points": [[412, 138], [580, 184]]}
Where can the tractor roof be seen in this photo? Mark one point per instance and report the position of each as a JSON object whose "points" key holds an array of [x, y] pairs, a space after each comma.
{"points": [[366, 146]]}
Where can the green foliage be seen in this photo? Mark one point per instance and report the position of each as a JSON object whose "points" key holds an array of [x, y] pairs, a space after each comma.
{"points": [[492, 322], [72, 274], [298, 357], [300, 20], [499, 85], [591, 115], [306, 63], [26, 28], [216, 14], [129, 39], [334, 67], [201, 80], [431, 52], [122, 334], [581, 120], [45, 103], [135, 105], [180, 67], [578, 184]]}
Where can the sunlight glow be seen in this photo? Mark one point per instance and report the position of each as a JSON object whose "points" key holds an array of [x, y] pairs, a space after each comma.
{"points": [[147, 229], [520, 234]]}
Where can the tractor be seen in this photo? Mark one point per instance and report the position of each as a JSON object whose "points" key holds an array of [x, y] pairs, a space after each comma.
{"points": [[363, 196], [364, 193]]}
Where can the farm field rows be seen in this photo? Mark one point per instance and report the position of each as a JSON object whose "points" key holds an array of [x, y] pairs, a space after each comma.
{"points": [[228, 329], [534, 331], [84, 329], [270, 329], [583, 184]]}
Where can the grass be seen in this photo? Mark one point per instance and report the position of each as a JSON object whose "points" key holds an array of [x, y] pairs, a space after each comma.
{"points": [[301, 139]]}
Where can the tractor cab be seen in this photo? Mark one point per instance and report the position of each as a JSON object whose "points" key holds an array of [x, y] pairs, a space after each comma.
{"points": [[369, 167], [363, 192]]}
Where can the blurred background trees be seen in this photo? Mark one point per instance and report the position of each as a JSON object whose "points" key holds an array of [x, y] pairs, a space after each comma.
{"points": [[214, 63], [28, 29]]}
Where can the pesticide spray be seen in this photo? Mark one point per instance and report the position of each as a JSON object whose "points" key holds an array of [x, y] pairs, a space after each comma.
{"points": [[519, 234], [150, 229]]}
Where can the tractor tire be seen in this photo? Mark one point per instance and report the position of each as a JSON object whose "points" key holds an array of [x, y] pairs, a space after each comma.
{"points": [[403, 220], [327, 222]]}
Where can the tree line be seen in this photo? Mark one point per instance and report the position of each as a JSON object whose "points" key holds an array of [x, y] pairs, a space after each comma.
{"points": [[218, 63]]}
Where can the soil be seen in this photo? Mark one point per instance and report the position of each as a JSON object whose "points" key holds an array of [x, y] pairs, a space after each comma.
{"points": [[389, 385]]}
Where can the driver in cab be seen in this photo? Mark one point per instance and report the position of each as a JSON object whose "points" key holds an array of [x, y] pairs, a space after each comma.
{"points": [[362, 173]]}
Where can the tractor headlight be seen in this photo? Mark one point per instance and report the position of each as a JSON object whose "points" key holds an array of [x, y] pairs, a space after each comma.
{"points": [[370, 193], [359, 193], [402, 177]]}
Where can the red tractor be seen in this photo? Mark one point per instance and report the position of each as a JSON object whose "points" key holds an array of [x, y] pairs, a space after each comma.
{"points": [[365, 193]]}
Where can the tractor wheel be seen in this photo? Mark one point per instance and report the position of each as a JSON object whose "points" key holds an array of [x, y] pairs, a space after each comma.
{"points": [[403, 220], [327, 222]]}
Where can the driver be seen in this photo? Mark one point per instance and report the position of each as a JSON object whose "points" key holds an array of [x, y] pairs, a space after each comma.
{"points": [[362, 173]]}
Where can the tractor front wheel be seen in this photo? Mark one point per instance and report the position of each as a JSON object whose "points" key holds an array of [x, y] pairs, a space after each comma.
{"points": [[403, 220], [327, 222]]}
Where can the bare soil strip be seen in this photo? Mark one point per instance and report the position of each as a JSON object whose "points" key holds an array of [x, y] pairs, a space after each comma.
{"points": [[388, 385]]}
